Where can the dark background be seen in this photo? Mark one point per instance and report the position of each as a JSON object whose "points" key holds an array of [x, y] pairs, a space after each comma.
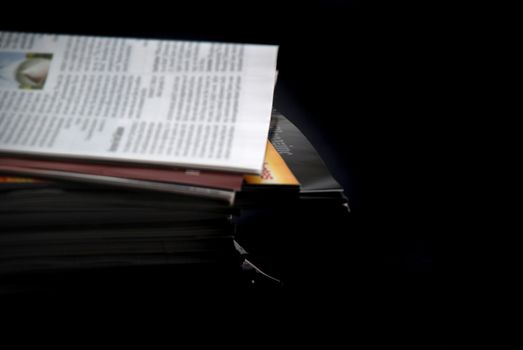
{"points": [[356, 78]]}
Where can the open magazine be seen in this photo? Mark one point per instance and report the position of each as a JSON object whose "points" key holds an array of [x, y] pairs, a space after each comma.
{"points": [[179, 103]]}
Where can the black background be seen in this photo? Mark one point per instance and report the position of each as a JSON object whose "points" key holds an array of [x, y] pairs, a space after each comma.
{"points": [[356, 78]]}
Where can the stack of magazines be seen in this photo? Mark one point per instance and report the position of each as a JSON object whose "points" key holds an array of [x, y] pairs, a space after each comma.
{"points": [[65, 229], [146, 165]]}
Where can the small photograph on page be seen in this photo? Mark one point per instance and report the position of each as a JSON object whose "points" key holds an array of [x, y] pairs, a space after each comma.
{"points": [[24, 70]]}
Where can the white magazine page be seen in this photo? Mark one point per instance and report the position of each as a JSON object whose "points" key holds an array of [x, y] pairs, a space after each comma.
{"points": [[180, 103]]}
